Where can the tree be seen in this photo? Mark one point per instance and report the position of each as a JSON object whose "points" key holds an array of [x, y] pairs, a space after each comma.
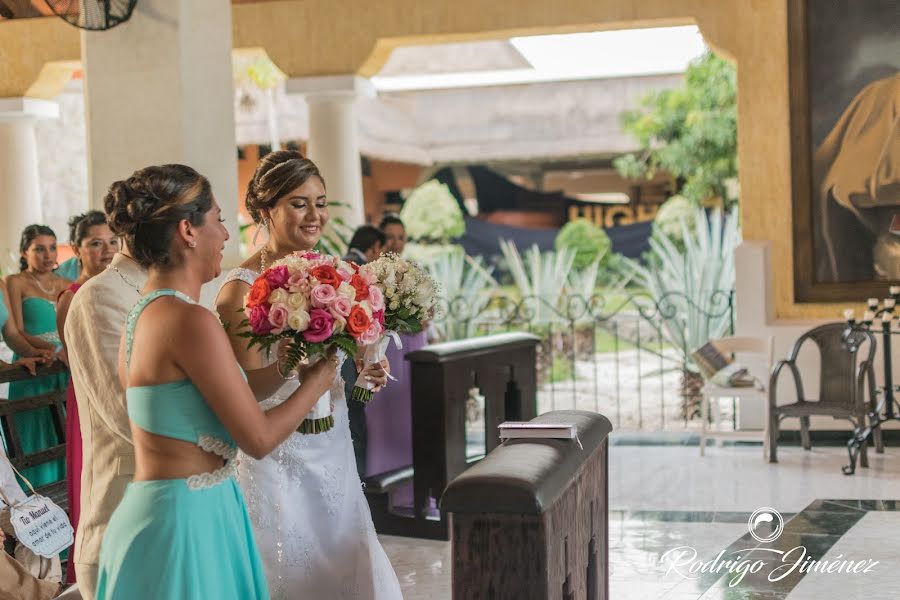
{"points": [[691, 132]]}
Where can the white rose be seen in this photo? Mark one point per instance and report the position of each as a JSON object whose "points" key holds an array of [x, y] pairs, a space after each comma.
{"points": [[346, 290], [366, 306], [394, 305], [278, 295], [297, 302], [340, 323], [298, 320]]}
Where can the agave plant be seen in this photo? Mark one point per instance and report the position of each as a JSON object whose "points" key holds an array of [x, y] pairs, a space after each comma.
{"points": [[691, 287], [541, 279], [466, 288]]}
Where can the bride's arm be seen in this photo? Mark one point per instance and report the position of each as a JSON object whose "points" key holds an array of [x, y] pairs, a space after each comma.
{"points": [[204, 353], [263, 380]]}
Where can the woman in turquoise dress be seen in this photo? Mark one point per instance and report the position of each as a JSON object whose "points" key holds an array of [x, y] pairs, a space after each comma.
{"points": [[182, 531], [32, 298], [30, 357]]}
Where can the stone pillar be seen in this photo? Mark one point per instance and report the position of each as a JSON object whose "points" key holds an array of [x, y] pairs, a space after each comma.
{"points": [[20, 195], [159, 89], [334, 138]]}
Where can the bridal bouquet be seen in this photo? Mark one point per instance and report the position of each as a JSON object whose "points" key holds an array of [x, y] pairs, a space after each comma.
{"points": [[409, 297], [314, 302]]}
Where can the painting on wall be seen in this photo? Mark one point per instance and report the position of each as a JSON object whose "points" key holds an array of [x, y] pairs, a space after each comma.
{"points": [[845, 147]]}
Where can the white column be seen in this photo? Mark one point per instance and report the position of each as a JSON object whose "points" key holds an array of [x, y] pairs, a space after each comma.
{"points": [[159, 89], [334, 138], [20, 194]]}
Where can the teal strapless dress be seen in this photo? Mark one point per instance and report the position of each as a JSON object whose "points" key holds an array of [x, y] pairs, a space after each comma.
{"points": [[180, 539], [36, 428]]}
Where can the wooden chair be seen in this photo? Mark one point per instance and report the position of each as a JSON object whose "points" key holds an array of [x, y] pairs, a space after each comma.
{"points": [[842, 386], [712, 393], [56, 402]]}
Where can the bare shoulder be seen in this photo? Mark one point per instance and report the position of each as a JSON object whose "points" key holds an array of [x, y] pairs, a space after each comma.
{"points": [[61, 282], [195, 322], [15, 281]]}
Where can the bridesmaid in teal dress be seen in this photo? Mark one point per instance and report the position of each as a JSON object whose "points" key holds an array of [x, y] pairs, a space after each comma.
{"points": [[32, 296], [182, 531], [12, 338]]}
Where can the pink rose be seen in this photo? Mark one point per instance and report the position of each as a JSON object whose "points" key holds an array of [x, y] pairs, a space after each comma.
{"points": [[378, 315], [376, 298], [372, 334], [310, 255], [320, 326], [259, 319], [340, 306], [278, 316], [297, 282], [323, 295], [277, 276]]}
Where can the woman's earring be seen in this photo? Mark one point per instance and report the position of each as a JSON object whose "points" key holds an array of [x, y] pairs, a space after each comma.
{"points": [[192, 244]]}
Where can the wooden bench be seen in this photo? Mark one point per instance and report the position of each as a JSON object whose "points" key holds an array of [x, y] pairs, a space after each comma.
{"points": [[56, 402], [530, 521]]}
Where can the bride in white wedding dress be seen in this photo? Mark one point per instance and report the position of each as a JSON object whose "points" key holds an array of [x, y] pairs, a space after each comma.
{"points": [[306, 503]]}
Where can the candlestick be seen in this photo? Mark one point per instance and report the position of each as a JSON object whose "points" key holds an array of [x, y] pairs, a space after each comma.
{"points": [[889, 302], [872, 302], [868, 316], [887, 317], [848, 314], [894, 290]]}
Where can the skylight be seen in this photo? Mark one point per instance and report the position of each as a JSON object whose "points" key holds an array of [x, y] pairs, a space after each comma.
{"points": [[593, 55]]}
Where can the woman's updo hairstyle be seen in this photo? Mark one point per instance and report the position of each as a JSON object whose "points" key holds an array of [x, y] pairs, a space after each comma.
{"points": [[277, 174], [80, 225], [28, 235], [145, 209]]}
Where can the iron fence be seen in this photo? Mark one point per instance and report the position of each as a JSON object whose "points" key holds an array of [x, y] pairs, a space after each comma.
{"points": [[622, 354]]}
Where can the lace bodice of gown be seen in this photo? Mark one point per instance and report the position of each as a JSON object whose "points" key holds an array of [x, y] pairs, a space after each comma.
{"points": [[310, 516]]}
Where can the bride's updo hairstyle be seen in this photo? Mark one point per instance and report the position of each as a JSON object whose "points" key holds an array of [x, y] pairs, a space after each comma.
{"points": [[145, 209], [277, 174]]}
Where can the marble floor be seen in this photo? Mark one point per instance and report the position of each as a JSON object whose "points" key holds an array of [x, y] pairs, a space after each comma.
{"points": [[664, 498]]}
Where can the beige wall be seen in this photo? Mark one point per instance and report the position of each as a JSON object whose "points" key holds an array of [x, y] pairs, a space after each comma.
{"points": [[319, 37]]}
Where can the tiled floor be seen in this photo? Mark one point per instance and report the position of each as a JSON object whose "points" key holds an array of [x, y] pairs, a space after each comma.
{"points": [[666, 497]]}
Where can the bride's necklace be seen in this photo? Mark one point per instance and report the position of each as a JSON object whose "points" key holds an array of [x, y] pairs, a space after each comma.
{"points": [[37, 281]]}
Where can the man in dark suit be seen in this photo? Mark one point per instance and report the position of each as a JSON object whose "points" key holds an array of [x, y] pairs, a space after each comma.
{"points": [[365, 246]]}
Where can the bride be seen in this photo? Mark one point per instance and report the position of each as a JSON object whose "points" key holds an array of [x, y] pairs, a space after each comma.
{"points": [[306, 503]]}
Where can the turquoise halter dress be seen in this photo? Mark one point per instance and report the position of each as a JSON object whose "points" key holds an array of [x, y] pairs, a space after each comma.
{"points": [[180, 539]]}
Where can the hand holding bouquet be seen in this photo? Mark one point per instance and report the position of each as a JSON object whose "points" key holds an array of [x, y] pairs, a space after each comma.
{"points": [[314, 302], [408, 297]]}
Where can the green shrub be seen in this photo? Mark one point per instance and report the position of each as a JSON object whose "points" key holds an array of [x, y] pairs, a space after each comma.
{"points": [[432, 214], [587, 240], [669, 219]]}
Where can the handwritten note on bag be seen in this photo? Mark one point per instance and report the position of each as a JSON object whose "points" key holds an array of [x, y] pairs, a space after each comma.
{"points": [[42, 526]]}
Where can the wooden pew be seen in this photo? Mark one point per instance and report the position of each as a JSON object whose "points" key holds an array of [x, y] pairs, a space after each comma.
{"points": [[530, 521]]}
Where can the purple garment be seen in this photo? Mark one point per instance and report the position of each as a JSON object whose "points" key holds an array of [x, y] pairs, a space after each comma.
{"points": [[389, 414]]}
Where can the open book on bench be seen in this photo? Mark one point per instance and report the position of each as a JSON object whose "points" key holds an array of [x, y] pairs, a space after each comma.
{"points": [[526, 429], [720, 369]]}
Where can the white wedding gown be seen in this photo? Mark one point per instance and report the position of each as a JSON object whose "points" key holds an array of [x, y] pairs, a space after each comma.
{"points": [[311, 519]]}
